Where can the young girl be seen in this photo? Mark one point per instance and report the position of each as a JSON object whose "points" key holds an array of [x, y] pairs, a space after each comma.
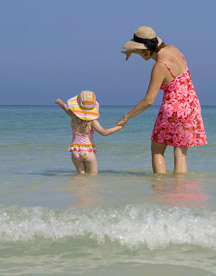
{"points": [[83, 110]]}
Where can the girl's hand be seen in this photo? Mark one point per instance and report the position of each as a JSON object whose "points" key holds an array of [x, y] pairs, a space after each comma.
{"points": [[57, 101], [128, 53], [119, 127]]}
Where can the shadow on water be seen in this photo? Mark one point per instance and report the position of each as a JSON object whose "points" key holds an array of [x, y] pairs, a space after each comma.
{"points": [[101, 173], [55, 173]]}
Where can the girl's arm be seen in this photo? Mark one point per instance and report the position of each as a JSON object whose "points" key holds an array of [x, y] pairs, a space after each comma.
{"points": [[96, 126], [64, 107]]}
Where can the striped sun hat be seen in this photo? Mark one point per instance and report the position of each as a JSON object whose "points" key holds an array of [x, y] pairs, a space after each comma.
{"points": [[84, 106]]}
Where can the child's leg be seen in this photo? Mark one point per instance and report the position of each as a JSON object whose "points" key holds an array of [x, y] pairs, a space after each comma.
{"points": [[79, 165], [91, 164]]}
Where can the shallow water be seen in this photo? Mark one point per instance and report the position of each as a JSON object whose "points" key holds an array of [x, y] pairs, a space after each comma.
{"points": [[123, 221]]}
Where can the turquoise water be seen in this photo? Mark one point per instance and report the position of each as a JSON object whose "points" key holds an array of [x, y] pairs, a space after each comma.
{"points": [[122, 222]]}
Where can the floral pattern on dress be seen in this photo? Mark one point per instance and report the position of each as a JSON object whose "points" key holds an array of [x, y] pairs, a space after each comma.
{"points": [[179, 122]]}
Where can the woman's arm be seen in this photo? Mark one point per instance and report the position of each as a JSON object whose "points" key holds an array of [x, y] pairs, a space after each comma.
{"points": [[157, 77], [97, 126], [64, 107]]}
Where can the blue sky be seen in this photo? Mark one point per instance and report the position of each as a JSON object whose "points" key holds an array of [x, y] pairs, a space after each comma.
{"points": [[56, 48]]}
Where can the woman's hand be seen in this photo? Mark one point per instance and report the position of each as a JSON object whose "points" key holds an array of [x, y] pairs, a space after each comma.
{"points": [[122, 121], [128, 53]]}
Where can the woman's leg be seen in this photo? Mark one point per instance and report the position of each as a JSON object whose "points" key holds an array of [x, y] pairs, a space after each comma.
{"points": [[180, 161], [91, 164], [79, 165], [158, 161]]}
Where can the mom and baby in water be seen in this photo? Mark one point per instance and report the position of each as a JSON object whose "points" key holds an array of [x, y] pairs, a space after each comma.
{"points": [[179, 121]]}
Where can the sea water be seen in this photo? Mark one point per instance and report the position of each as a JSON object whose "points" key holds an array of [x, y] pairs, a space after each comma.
{"points": [[124, 221]]}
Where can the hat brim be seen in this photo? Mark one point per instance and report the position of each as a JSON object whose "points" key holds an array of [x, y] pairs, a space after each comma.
{"points": [[83, 114], [133, 45]]}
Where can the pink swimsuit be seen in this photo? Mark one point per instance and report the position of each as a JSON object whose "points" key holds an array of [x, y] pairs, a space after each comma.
{"points": [[179, 122], [82, 145]]}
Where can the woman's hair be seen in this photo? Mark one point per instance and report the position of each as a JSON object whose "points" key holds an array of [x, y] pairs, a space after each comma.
{"points": [[151, 52]]}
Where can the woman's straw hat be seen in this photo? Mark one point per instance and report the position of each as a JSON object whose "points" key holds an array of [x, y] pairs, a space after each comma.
{"points": [[143, 37], [84, 106]]}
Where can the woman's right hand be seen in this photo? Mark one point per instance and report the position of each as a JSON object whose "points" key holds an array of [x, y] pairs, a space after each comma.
{"points": [[127, 52]]}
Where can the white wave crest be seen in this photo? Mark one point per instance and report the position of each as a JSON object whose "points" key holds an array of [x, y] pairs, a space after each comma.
{"points": [[132, 226]]}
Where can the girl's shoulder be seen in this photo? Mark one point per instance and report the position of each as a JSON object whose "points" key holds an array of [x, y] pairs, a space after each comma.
{"points": [[94, 124]]}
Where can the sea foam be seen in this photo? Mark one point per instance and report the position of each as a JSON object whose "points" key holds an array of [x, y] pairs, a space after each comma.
{"points": [[132, 226]]}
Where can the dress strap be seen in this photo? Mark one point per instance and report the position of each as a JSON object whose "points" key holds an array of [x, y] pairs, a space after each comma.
{"points": [[170, 70]]}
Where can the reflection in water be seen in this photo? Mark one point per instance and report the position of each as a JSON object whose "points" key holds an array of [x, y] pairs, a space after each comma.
{"points": [[107, 189], [83, 187], [179, 190]]}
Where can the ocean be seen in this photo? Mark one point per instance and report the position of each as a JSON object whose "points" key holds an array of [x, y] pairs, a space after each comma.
{"points": [[126, 221]]}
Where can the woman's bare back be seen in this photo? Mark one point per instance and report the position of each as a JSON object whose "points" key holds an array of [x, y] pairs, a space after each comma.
{"points": [[174, 60]]}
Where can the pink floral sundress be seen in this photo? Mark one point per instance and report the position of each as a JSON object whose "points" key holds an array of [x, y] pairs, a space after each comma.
{"points": [[179, 122]]}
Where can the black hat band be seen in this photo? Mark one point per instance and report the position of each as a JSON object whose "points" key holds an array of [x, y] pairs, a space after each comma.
{"points": [[151, 44]]}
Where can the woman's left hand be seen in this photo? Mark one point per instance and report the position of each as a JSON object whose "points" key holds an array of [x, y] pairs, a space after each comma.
{"points": [[127, 52]]}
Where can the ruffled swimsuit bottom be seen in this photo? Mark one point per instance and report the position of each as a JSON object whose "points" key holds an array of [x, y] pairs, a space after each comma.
{"points": [[82, 145]]}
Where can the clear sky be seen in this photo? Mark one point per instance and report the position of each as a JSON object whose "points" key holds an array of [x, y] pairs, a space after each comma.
{"points": [[56, 48]]}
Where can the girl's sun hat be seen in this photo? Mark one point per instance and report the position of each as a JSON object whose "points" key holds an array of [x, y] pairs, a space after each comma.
{"points": [[84, 106], [144, 38]]}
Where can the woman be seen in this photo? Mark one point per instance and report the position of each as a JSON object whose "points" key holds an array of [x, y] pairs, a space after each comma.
{"points": [[179, 121]]}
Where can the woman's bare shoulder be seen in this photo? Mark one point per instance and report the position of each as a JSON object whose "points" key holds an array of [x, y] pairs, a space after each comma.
{"points": [[174, 59], [168, 51]]}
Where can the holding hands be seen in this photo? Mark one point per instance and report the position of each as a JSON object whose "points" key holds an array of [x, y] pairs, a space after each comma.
{"points": [[122, 121]]}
